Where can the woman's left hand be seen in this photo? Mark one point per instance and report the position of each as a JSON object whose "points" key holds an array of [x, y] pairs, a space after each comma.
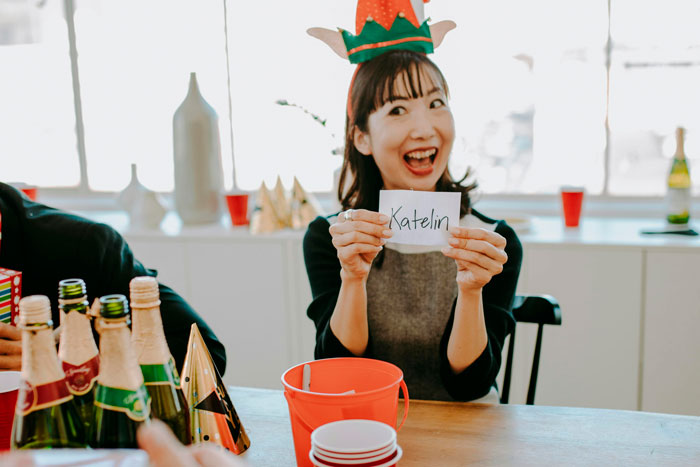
{"points": [[479, 254]]}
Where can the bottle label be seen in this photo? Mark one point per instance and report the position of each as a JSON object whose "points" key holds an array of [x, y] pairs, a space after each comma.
{"points": [[81, 378], [678, 201], [135, 404], [32, 398], [161, 374]]}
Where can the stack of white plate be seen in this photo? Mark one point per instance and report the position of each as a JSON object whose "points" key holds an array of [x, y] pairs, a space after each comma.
{"points": [[359, 443]]}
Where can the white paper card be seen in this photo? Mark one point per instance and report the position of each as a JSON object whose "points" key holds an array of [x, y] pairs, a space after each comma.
{"points": [[420, 217]]}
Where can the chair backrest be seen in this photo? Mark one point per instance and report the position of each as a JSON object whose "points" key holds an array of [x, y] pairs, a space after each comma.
{"points": [[538, 309]]}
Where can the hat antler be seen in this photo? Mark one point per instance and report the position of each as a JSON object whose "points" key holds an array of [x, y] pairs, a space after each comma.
{"points": [[383, 25]]}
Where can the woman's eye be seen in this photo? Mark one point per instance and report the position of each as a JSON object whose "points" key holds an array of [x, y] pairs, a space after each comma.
{"points": [[437, 103], [398, 110]]}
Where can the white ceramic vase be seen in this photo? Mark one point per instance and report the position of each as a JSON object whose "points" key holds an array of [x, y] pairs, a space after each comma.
{"points": [[145, 207], [197, 159]]}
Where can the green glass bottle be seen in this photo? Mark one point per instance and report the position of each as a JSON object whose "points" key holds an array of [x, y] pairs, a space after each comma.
{"points": [[122, 402], [45, 416], [77, 350], [157, 364], [678, 195]]}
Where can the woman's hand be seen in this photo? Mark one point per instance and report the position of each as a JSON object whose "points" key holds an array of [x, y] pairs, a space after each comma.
{"points": [[479, 254], [359, 235], [164, 450], [10, 347]]}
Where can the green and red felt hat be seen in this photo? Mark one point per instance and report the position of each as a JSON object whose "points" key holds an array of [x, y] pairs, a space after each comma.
{"points": [[383, 25]]}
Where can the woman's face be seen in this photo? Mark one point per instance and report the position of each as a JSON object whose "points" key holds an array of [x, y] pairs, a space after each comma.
{"points": [[410, 139]]}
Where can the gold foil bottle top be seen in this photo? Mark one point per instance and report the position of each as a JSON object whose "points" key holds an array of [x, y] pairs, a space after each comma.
{"points": [[40, 363], [34, 309], [144, 292], [77, 344], [147, 336]]}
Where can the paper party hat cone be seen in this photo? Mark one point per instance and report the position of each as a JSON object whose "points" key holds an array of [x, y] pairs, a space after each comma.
{"points": [[282, 205], [305, 206], [264, 218], [213, 417]]}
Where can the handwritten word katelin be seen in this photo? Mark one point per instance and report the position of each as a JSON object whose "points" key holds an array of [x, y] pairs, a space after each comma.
{"points": [[428, 223]]}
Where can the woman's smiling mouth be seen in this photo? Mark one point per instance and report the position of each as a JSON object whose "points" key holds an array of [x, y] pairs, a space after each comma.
{"points": [[420, 162]]}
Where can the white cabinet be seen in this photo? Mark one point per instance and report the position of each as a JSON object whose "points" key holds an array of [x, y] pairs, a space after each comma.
{"points": [[592, 359], [630, 309], [671, 356], [243, 290]]}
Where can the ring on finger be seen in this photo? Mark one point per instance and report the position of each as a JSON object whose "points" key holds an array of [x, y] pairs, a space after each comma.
{"points": [[348, 215]]}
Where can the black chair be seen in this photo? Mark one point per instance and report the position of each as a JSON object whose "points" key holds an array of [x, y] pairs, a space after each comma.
{"points": [[538, 309]]}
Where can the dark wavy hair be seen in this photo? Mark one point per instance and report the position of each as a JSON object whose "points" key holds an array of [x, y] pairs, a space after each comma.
{"points": [[372, 87]]}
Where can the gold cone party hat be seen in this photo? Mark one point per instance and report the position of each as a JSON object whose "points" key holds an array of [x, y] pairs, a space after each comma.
{"points": [[213, 417], [264, 218], [282, 205], [305, 207]]}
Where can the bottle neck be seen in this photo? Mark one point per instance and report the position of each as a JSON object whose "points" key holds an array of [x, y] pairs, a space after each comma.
{"points": [[77, 344], [40, 363], [680, 150], [118, 366], [148, 337]]}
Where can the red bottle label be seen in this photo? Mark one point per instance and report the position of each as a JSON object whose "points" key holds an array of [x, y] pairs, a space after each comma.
{"points": [[32, 398], [81, 378]]}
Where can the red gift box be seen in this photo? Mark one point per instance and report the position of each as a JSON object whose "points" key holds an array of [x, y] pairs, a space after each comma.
{"points": [[10, 293]]}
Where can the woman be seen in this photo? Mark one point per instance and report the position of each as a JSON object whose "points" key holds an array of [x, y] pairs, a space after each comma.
{"points": [[441, 315]]}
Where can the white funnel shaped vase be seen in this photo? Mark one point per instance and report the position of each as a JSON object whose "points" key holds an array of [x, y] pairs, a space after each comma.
{"points": [[197, 159]]}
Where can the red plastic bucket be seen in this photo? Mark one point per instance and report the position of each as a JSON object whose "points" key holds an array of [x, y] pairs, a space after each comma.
{"points": [[376, 395]]}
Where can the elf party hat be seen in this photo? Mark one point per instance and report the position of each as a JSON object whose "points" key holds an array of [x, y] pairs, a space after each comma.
{"points": [[383, 25]]}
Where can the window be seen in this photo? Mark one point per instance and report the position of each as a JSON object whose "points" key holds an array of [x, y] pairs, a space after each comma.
{"points": [[654, 76], [544, 93], [37, 118]]}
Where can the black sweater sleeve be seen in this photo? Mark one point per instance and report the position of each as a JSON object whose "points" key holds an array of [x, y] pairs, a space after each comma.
{"points": [[323, 270], [49, 245], [477, 379]]}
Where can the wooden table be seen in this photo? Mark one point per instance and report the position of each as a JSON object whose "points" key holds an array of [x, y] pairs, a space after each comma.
{"points": [[457, 434]]}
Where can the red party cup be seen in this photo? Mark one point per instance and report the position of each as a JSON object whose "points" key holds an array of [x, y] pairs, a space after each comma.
{"points": [[9, 388], [29, 190], [238, 209], [571, 200]]}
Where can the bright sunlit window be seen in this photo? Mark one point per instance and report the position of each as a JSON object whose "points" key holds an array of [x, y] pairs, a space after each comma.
{"points": [[544, 93], [37, 118]]}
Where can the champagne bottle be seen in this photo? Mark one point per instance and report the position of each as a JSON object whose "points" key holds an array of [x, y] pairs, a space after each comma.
{"points": [[45, 416], [678, 196], [157, 364], [77, 350], [122, 402]]}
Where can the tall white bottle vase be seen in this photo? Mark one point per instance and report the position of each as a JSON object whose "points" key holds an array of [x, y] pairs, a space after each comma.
{"points": [[197, 159]]}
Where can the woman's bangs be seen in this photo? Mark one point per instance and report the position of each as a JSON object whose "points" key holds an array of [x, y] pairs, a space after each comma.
{"points": [[410, 81]]}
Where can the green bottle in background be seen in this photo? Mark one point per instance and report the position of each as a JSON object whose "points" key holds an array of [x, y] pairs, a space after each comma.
{"points": [[77, 350], [122, 402], [157, 364], [46, 415], [678, 195]]}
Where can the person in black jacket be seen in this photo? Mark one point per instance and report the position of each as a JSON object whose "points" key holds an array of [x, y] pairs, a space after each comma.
{"points": [[48, 245], [440, 314]]}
